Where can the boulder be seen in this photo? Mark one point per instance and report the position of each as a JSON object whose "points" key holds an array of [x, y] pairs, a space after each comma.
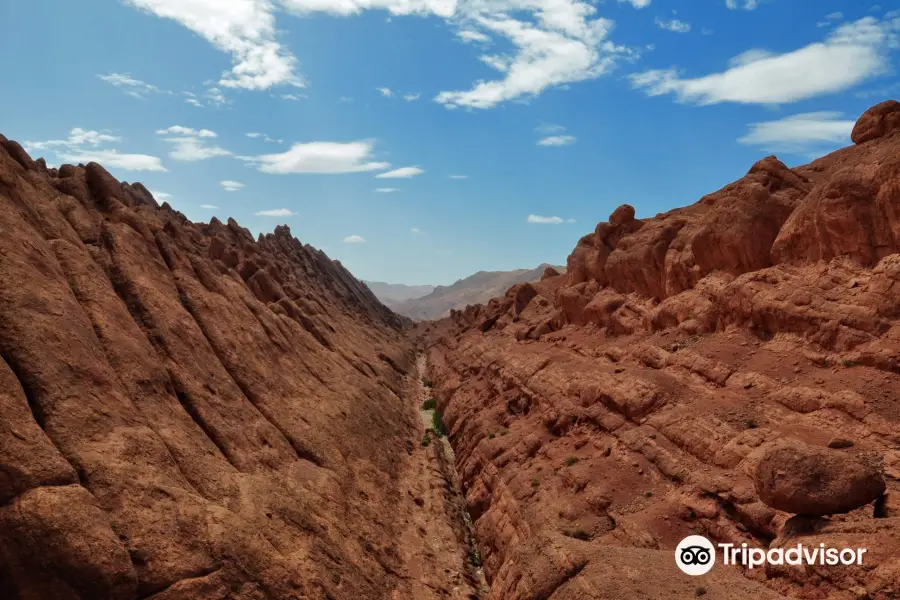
{"points": [[798, 478], [876, 122]]}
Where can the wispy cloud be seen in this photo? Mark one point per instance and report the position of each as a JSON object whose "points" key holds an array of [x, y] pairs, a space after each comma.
{"points": [[244, 29], [412, 97], [354, 239], [131, 86], [264, 137], [190, 145], [851, 54], [386, 190], [320, 157], [458, 177], [675, 25], [552, 44], [537, 219], [160, 195], [209, 206], [742, 4], [276, 212], [83, 146], [801, 134], [386, 92], [231, 186], [401, 173], [557, 140], [179, 130], [416, 231]]}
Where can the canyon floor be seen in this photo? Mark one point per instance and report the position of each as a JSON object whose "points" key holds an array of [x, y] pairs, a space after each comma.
{"points": [[189, 412]]}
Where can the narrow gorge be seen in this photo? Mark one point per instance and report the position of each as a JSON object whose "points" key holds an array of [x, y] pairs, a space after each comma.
{"points": [[189, 412]]}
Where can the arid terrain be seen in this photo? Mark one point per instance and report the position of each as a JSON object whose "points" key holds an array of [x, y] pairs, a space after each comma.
{"points": [[479, 288], [728, 369], [189, 413], [192, 413]]}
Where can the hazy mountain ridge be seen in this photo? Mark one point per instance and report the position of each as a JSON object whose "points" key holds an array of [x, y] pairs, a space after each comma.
{"points": [[393, 293], [475, 289]]}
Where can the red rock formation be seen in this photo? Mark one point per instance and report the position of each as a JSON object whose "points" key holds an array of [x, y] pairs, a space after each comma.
{"points": [[644, 399], [189, 413]]}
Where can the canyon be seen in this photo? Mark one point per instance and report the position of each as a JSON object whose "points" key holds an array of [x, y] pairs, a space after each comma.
{"points": [[189, 412]]}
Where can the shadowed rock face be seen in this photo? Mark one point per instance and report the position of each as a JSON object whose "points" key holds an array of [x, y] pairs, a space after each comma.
{"points": [[187, 412], [686, 377]]}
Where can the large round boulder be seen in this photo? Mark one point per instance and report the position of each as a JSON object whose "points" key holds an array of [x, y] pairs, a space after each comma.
{"points": [[798, 478], [876, 122]]}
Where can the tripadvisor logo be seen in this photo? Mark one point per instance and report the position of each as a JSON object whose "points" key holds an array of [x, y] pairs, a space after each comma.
{"points": [[696, 555]]}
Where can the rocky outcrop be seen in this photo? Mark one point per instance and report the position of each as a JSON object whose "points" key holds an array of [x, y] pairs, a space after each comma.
{"points": [[189, 413], [806, 480], [880, 120], [726, 369]]}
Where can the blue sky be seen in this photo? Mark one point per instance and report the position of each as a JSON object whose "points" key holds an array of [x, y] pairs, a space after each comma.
{"points": [[549, 113]]}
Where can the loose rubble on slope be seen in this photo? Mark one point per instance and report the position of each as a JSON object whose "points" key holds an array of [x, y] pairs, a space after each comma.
{"points": [[728, 369]]}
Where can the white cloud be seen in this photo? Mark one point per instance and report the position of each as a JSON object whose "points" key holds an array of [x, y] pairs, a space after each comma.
{"points": [[416, 231], [566, 44], [216, 97], [354, 239], [190, 144], [113, 159], [387, 190], [673, 25], [571, 221], [321, 157], [245, 29], [277, 212], [209, 206], [231, 186], [179, 130], [544, 220], [131, 86], [401, 173], [801, 133], [549, 128], [471, 35], [345, 99], [192, 149], [160, 195], [557, 140], [459, 176], [749, 56], [852, 53], [264, 137], [82, 147], [292, 97], [637, 3], [745, 5], [386, 92], [498, 63], [194, 102], [411, 97], [835, 16], [554, 42]]}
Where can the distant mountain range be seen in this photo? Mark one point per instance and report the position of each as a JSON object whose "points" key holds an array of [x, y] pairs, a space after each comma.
{"points": [[424, 302], [390, 293]]}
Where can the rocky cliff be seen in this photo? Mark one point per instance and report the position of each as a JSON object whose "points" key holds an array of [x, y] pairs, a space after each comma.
{"points": [[190, 413], [728, 369]]}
